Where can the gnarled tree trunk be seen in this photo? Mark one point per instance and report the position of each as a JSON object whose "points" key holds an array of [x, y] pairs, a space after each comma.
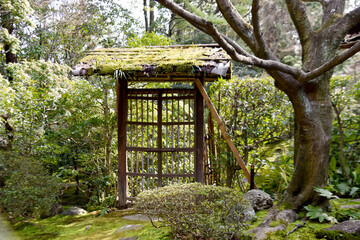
{"points": [[313, 122]]}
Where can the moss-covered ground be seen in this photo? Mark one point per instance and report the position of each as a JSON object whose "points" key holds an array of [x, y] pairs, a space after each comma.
{"points": [[93, 226], [88, 226]]}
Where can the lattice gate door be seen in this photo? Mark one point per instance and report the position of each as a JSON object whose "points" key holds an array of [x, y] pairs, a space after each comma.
{"points": [[160, 138]]}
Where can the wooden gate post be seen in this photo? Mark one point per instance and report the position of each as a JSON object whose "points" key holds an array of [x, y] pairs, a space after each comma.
{"points": [[122, 111], [199, 135]]}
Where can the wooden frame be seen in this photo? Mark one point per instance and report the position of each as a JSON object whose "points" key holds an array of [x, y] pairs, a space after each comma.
{"points": [[135, 159]]}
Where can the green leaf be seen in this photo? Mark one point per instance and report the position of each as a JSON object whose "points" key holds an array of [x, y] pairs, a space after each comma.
{"points": [[343, 188], [353, 190], [325, 193]]}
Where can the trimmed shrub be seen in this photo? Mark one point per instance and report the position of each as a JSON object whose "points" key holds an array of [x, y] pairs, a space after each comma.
{"points": [[198, 211]]}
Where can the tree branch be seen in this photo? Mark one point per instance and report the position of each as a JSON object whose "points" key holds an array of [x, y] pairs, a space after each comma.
{"points": [[330, 64], [194, 20], [297, 10], [256, 26], [249, 59], [332, 8], [234, 50], [240, 26], [345, 23]]}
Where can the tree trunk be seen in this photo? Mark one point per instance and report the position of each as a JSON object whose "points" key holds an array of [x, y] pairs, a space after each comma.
{"points": [[10, 57], [312, 135], [152, 15], [312, 131], [146, 16]]}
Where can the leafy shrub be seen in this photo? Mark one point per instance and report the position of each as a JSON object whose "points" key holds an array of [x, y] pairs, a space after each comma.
{"points": [[197, 211], [26, 190]]}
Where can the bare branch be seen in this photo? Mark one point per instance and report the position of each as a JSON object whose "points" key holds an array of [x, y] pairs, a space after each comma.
{"points": [[297, 10], [330, 64], [240, 26], [249, 59], [256, 26], [196, 21], [239, 54]]}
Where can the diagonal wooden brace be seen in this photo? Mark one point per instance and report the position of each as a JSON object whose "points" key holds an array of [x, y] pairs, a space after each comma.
{"points": [[223, 129]]}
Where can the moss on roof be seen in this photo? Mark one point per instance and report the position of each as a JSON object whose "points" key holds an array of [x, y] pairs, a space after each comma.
{"points": [[161, 60]]}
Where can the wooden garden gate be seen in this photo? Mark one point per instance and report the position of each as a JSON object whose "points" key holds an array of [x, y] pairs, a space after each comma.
{"points": [[161, 131], [160, 138]]}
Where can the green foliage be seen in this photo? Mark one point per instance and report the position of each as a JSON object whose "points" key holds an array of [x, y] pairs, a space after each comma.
{"points": [[325, 193], [13, 14], [148, 39], [318, 213], [343, 214], [28, 189], [257, 116], [337, 214], [345, 95], [69, 125], [64, 32], [275, 176], [196, 210]]}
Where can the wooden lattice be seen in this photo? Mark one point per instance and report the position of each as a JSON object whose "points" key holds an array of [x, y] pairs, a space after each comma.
{"points": [[160, 138]]}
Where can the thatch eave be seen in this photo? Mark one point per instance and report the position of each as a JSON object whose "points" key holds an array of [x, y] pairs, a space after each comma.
{"points": [[158, 63]]}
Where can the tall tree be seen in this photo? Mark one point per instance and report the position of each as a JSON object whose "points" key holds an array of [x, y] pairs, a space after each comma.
{"points": [[13, 15], [65, 30], [149, 15], [307, 87]]}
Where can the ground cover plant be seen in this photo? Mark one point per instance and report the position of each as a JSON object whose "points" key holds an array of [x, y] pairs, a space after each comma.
{"points": [[88, 226]]}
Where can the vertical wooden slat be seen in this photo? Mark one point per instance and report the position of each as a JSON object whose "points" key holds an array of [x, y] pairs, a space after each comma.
{"points": [[142, 115], [199, 135], [122, 106], [159, 139]]}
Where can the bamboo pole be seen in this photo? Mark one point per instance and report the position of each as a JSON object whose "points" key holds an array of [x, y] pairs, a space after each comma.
{"points": [[223, 130]]}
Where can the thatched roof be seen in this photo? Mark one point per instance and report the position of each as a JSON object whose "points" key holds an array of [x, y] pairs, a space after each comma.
{"points": [[165, 63]]}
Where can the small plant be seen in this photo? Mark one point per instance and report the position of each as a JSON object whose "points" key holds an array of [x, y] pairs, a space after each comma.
{"points": [[325, 193], [337, 213], [198, 211], [318, 213]]}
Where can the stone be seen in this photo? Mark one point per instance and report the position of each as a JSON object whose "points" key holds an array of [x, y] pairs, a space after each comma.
{"points": [[249, 214], [139, 217], [74, 211], [259, 199], [350, 226], [287, 215], [129, 227], [246, 209], [283, 218], [261, 233], [356, 206], [129, 238]]}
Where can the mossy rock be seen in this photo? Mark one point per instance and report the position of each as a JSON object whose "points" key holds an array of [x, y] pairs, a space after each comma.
{"points": [[336, 235]]}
